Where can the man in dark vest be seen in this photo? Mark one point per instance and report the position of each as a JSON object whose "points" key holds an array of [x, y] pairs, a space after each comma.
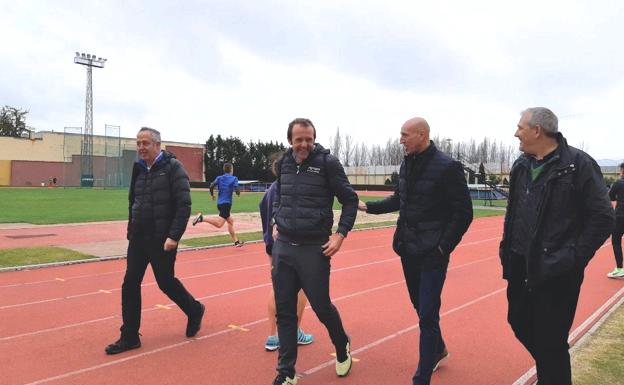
{"points": [[558, 215], [435, 211], [308, 180], [159, 209]]}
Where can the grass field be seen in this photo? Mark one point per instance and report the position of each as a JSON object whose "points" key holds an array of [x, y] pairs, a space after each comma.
{"points": [[601, 359], [38, 255], [74, 205]]}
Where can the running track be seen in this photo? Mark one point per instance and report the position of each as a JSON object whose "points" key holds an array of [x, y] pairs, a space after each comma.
{"points": [[57, 321]]}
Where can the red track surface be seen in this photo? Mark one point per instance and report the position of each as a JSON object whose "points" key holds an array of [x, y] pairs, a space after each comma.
{"points": [[57, 321], [62, 235]]}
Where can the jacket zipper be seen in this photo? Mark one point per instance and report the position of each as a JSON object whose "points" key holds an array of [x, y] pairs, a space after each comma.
{"points": [[555, 174]]}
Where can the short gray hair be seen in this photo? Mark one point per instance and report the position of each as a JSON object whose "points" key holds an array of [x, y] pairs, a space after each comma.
{"points": [[155, 133], [545, 118]]}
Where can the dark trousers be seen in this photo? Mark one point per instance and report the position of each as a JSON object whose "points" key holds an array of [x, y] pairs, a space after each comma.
{"points": [[541, 320], [142, 252], [424, 285], [616, 240], [295, 268]]}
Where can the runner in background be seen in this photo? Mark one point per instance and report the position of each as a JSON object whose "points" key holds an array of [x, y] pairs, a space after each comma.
{"points": [[227, 184]]}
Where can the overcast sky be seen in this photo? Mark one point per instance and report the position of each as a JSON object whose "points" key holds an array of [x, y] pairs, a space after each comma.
{"points": [[247, 67]]}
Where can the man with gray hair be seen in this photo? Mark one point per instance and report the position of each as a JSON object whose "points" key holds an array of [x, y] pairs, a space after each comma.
{"points": [[159, 209], [558, 215]]}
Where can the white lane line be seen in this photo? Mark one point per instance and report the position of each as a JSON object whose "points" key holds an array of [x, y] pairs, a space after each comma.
{"points": [[230, 330], [236, 255], [173, 304], [152, 283], [214, 273], [401, 332]]}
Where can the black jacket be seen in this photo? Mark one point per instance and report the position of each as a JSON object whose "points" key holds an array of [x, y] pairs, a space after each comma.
{"points": [[159, 200], [305, 196], [616, 193], [574, 216], [434, 206]]}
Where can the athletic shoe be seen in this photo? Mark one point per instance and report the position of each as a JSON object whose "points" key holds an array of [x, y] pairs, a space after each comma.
{"points": [[194, 322], [344, 360], [122, 345], [283, 380], [272, 344], [441, 358], [303, 339], [238, 244], [616, 273], [198, 218]]}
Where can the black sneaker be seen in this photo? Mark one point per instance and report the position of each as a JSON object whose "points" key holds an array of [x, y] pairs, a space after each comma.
{"points": [[121, 346], [284, 380], [198, 218], [440, 358], [194, 322], [238, 244]]}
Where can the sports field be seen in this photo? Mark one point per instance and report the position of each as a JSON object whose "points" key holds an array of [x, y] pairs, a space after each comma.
{"points": [[75, 205]]}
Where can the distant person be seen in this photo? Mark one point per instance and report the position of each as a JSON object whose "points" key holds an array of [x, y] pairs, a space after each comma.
{"points": [[308, 179], [558, 215], [227, 184], [159, 209], [266, 214], [435, 211], [616, 193]]}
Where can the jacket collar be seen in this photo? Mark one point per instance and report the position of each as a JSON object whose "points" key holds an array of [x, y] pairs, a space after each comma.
{"points": [[425, 154]]}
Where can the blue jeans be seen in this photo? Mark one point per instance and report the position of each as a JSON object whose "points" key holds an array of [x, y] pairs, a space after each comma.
{"points": [[425, 288]]}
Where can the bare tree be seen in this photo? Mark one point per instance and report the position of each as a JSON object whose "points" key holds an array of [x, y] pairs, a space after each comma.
{"points": [[347, 153], [336, 144]]}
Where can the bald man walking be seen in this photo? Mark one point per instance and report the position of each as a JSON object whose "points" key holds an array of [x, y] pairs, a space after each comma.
{"points": [[435, 211]]}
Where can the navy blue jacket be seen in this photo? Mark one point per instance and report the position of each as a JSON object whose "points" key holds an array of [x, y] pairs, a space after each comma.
{"points": [[305, 196], [159, 200], [434, 204]]}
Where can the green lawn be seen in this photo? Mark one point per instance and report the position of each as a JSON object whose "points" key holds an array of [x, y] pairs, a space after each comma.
{"points": [[75, 205], [23, 256], [599, 361], [493, 203]]}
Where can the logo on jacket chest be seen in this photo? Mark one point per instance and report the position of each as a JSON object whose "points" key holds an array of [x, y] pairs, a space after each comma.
{"points": [[314, 170]]}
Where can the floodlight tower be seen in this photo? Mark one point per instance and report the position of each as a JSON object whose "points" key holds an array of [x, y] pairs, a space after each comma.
{"points": [[86, 164]]}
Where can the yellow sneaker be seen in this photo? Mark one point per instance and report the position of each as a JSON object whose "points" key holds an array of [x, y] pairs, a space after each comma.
{"points": [[283, 380], [343, 368]]}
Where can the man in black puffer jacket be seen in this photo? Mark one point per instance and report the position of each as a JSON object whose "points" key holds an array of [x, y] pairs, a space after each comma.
{"points": [[308, 179], [159, 209], [435, 211], [558, 215]]}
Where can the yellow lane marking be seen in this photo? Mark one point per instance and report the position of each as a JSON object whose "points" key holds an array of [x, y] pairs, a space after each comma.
{"points": [[104, 291], [236, 327], [60, 279], [353, 358], [163, 307]]}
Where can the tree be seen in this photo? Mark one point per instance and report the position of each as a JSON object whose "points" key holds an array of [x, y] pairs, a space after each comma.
{"points": [[481, 177], [347, 154], [336, 144], [12, 121]]}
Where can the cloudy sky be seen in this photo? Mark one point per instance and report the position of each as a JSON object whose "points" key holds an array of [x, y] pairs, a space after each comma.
{"points": [[247, 67]]}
